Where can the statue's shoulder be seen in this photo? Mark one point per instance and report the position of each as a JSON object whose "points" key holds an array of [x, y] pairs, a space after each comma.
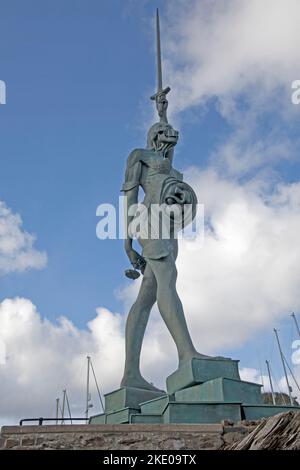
{"points": [[135, 156]]}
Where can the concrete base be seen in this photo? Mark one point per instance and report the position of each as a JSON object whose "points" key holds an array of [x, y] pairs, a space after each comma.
{"points": [[198, 371]]}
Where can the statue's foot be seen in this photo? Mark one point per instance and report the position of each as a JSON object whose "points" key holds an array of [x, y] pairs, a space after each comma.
{"points": [[137, 381]]}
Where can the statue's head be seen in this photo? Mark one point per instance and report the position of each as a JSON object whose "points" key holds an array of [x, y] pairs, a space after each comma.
{"points": [[162, 136]]}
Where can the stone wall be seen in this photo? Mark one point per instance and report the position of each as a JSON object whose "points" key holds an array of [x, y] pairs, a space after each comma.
{"points": [[123, 436]]}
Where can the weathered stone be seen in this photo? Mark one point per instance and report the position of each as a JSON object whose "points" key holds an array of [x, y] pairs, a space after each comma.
{"points": [[227, 422], [2, 442], [233, 437], [10, 443], [280, 432], [27, 441], [113, 437]]}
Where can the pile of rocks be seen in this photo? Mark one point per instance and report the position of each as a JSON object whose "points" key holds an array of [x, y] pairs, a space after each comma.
{"points": [[280, 432]]}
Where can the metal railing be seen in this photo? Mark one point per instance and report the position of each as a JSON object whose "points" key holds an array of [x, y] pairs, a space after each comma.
{"points": [[59, 421]]}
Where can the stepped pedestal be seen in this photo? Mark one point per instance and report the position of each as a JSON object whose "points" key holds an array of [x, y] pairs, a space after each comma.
{"points": [[199, 391], [199, 370], [128, 397], [191, 413], [223, 390]]}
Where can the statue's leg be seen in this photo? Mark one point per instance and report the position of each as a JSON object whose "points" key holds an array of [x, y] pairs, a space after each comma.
{"points": [[135, 329], [170, 306]]}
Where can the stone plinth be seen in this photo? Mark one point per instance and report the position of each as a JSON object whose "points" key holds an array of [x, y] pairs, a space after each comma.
{"points": [[117, 437]]}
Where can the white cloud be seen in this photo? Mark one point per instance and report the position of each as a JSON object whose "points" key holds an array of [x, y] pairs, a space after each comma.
{"points": [[279, 386], [224, 48], [246, 275], [17, 252], [43, 358]]}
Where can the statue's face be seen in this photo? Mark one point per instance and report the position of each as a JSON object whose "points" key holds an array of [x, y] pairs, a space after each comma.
{"points": [[166, 135]]}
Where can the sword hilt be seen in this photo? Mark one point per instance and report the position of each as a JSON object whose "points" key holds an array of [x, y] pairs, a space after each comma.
{"points": [[161, 103]]}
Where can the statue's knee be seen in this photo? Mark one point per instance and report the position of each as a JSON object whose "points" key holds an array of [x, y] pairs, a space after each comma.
{"points": [[148, 282]]}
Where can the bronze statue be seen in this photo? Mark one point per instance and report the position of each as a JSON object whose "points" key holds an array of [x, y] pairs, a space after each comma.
{"points": [[152, 170]]}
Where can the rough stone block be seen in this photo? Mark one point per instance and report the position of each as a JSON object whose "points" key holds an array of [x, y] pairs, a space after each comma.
{"points": [[27, 441], [181, 412], [222, 389], [11, 443], [199, 370], [128, 397]]}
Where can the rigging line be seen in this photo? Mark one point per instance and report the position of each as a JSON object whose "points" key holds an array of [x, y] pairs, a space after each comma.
{"points": [[291, 334], [60, 410], [283, 366], [98, 390], [291, 372]]}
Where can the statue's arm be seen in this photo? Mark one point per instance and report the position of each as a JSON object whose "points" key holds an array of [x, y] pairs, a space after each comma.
{"points": [[131, 191]]}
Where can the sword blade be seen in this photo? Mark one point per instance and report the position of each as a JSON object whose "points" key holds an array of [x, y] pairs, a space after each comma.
{"points": [[158, 51]]}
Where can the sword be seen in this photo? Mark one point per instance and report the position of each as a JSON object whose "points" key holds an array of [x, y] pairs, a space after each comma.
{"points": [[160, 96]]}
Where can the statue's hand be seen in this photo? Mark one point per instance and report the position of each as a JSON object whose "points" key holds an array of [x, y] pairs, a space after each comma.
{"points": [[137, 261]]}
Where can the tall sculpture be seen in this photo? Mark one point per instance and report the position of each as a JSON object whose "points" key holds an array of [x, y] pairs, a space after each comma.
{"points": [[151, 170], [202, 389]]}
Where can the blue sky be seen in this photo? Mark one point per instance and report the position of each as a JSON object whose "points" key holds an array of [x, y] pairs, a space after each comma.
{"points": [[73, 91], [79, 75]]}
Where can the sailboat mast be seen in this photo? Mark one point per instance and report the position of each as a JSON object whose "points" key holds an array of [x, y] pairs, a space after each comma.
{"points": [[283, 365], [296, 323], [63, 407], [271, 383], [57, 410], [87, 388]]}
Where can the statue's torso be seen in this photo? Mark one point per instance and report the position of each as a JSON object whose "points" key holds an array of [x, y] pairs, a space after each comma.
{"points": [[155, 170], [158, 179]]}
